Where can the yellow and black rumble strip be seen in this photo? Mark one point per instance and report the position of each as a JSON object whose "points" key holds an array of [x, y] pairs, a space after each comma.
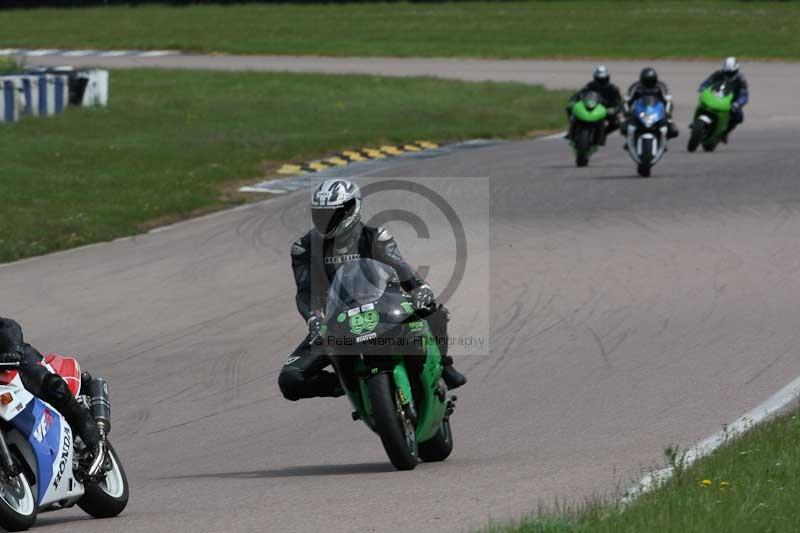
{"points": [[349, 156]]}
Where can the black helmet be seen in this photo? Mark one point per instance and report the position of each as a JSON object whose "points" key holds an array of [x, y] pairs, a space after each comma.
{"points": [[11, 339], [601, 75], [648, 77]]}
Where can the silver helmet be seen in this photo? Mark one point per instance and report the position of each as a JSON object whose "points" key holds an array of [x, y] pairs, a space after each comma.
{"points": [[730, 67], [601, 75], [335, 207]]}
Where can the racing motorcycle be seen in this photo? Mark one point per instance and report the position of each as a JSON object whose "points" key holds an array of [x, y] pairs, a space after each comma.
{"points": [[647, 133], [388, 363], [42, 465], [711, 117], [588, 126]]}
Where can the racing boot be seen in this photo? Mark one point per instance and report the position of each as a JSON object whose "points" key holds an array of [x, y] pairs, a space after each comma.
{"points": [[672, 131], [59, 396], [452, 377]]}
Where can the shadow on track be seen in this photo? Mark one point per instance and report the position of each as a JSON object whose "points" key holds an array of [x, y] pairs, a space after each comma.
{"points": [[296, 471]]}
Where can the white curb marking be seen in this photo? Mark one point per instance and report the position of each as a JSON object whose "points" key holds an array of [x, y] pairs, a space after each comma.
{"points": [[774, 405]]}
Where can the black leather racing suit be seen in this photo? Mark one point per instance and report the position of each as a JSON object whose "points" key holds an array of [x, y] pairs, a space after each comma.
{"points": [[42, 383], [315, 262]]}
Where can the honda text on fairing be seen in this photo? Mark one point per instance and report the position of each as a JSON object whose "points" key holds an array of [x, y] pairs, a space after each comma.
{"points": [[588, 126], [712, 116], [388, 363], [647, 133], [40, 457]]}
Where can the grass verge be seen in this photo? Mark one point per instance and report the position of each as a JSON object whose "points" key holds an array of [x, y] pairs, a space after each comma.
{"points": [[172, 140], [750, 484], [603, 29]]}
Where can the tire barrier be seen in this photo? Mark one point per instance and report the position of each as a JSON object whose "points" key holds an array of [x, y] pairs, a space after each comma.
{"points": [[47, 91]]}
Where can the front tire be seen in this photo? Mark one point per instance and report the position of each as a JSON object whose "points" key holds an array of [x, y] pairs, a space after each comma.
{"points": [[696, 137], [583, 143], [109, 497], [17, 503], [709, 147], [646, 158], [440, 446], [392, 424]]}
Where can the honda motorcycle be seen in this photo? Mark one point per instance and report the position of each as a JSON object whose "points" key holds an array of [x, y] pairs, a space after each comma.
{"points": [[43, 466], [388, 363], [647, 133]]}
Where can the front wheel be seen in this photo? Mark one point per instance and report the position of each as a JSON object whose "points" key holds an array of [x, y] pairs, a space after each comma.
{"points": [[709, 147], [583, 143], [17, 503], [644, 170], [440, 446], [392, 423], [696, 137], [109, 497]]}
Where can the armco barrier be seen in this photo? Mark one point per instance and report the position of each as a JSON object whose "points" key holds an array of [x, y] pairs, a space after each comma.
{"points": [[45, 92], [10, 99]]}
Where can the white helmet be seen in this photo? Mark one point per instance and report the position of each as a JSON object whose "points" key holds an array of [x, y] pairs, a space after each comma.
{"points": [[335, 207], [730, 67]]}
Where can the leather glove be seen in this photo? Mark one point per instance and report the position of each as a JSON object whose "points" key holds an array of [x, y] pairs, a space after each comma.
{"points": [[10, 357], [423, 297], [314, 325]]}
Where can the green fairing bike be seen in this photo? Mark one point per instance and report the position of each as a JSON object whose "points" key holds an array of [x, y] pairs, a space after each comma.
{"points": [[388, 363], [588, 128], [712, 117]]}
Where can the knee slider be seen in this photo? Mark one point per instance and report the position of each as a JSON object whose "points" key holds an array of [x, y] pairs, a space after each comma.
{"points": [[291, 383], [55, 389]]}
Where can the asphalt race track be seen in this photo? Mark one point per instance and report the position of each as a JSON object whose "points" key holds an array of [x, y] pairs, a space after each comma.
{"points": [[627, 314]]}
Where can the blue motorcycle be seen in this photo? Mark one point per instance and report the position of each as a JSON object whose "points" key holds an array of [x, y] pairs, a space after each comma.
{"points": [[647, 133]]}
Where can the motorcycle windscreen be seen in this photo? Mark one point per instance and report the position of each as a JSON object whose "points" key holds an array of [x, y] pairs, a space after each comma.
{"points": [[360, 282], [649, 110]]}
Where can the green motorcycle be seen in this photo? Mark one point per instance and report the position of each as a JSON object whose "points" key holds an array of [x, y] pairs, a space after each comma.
{"points": [[712, 117], [388, 363], [588, 126]]}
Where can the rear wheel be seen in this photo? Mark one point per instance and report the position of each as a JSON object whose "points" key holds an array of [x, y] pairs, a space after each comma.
{"points": [[583, 143], [17, 503], [109, 497], [440, 446], [392, 423]]}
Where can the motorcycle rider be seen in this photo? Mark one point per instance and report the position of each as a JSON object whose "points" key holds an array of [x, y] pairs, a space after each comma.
{"points": [[610, 97], [339, 236], [43, 384], [649, 84], [730, 73]]}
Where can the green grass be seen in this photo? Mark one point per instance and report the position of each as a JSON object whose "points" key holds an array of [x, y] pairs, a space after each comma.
{"points": [[751, 485], [170, 140], [603, 29]]}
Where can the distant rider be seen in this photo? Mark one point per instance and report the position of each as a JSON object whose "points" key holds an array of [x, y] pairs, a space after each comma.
{"points": [[649, 84], [43, 384], [609, 95], [339, 237], [730, 73]]}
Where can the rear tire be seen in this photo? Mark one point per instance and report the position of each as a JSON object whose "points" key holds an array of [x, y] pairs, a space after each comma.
{"points": [[583, 143], [440, 446], [709, 147], [391, 423], [18, 506], [109, 497]]}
